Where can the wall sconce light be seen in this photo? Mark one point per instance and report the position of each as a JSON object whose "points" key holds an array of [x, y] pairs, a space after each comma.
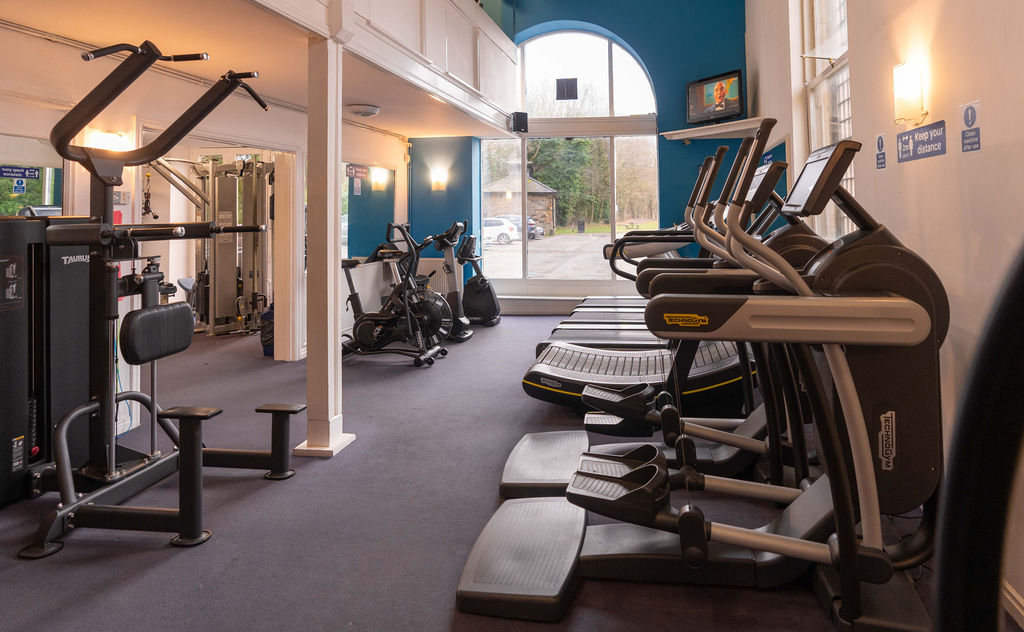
{"points": [[908, 94], [378, 178], [438, 179], [114, 141], [508, 195]]}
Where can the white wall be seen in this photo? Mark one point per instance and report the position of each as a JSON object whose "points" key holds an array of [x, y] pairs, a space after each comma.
{"points": [[774, 79], [373, 149], [960, 211]]}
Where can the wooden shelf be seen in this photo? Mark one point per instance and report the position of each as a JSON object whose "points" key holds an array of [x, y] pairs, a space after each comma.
{"points": [[729, 129]]}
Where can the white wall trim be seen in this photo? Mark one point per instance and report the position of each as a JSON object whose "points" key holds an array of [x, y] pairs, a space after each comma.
{"points": [[36, 100], [1013, 602]]}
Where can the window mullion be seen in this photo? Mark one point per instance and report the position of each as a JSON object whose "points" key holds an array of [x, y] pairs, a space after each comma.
{"points": [[613, 215], [524, 202]]}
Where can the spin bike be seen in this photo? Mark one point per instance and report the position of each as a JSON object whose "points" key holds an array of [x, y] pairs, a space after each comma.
{"points": [[412, 314]]}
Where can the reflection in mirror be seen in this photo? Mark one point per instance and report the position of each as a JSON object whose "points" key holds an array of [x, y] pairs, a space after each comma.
{"points": [[31, 175]]}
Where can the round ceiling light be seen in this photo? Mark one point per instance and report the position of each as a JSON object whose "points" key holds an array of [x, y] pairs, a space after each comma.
{"points": [[363, 110]]}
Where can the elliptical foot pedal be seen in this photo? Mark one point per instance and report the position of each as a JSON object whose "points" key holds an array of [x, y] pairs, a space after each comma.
{"points": [[615, 426], [542, 463], [636, 497], [632, 401], [524, 564]]}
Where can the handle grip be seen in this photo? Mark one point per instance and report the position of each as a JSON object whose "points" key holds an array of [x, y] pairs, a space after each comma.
{"points": [[110, 50], [254, 228], [188, 57]]}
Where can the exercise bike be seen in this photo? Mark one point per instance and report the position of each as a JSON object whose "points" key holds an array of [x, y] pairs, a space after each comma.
{"points": [[412, 314], [446, 243]]}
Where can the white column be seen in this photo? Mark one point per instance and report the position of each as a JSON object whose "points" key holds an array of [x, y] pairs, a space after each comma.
{"points": [[324, 295]]}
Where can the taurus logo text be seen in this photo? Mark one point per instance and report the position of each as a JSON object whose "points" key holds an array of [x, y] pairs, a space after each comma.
{"points": [[75, 259], [686, 320], [887, 441]]}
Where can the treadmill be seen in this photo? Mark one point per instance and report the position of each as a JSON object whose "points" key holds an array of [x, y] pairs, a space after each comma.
{"points": [[570, 358]]}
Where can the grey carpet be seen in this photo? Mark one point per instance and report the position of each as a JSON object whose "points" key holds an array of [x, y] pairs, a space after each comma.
{"points": [[372, 539]]}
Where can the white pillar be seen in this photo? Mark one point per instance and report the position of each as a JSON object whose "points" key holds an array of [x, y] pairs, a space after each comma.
{"points": [[324, 294]]}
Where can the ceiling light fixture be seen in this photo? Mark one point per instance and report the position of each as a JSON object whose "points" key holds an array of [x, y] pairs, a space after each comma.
{"points": [[363, 110]]}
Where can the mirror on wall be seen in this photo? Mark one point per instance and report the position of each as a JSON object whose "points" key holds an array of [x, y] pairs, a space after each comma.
{"points": [[31, 176]]}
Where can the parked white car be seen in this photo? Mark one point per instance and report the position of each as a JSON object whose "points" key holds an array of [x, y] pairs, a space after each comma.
{"points": [[501, 231]]}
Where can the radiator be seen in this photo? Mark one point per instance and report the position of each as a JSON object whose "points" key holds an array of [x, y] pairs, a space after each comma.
{"points": [[439, 282]]}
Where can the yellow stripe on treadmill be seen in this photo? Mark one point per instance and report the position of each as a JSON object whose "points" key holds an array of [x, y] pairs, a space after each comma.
{"points": [[696, 390]]}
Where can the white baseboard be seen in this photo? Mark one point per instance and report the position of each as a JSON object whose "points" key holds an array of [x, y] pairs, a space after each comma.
{"points": [[537, 305], [1013, 602]]}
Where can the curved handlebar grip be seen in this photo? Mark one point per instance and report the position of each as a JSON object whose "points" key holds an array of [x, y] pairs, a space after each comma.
{"points": [[110, 88], [763, 130], [719, 156], [252, 93], [110, 50], [734, 172], [701, 175]]}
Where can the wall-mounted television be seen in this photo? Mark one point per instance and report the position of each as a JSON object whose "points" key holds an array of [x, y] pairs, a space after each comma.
{"points": [[716, 98]]}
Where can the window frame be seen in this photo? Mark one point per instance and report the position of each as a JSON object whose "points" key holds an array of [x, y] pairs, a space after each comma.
{"points": [[610, 127]]}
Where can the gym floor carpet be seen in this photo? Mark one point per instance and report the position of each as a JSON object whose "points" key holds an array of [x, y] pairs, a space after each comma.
{"points": [[372, 539]]}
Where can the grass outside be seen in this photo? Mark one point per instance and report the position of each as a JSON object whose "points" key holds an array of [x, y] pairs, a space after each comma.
{"points": [[649, 224]]}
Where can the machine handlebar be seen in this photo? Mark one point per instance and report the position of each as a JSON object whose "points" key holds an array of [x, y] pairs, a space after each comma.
{"points": [[139, 60]]}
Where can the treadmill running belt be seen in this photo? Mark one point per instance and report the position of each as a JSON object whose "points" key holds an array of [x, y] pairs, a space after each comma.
{"points": [[562, 370]]}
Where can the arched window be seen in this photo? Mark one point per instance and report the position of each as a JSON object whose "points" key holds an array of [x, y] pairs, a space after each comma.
{"points": [[607, 79], [588, 165]]}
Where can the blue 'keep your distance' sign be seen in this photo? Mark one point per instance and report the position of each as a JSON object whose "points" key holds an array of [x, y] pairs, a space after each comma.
{"points": [[923, 142]]}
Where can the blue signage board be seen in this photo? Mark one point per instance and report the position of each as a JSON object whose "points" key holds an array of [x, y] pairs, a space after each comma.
{"points": [[880, 154], [30, 173], [19, 186], [970, 132], [923, 142], [970, 139]]}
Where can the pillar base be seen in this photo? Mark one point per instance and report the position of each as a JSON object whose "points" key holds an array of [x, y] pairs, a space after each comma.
{"points": [[338, 443]]}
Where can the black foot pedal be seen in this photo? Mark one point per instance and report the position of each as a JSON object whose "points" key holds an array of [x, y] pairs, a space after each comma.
{"points": [[542, 463], [636, 497], [525, 563], [631, 402], [615, 426]]}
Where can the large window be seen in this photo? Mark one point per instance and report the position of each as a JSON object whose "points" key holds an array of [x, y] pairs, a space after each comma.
{"points": [[586, 172], [31, 174], [828, 94]]}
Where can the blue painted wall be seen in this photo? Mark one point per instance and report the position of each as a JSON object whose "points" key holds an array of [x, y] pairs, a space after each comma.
{"points": [[432, 212], [677, 41], [368, 215]]}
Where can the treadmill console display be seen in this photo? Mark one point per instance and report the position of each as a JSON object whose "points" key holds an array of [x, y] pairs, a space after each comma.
{"points": [[820, 178]]}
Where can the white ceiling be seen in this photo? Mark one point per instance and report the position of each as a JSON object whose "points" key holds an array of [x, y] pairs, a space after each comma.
{"points": [[241, 36]]}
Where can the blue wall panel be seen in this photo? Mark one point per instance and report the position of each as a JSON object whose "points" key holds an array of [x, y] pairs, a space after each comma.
{"points": [[368, 215]]}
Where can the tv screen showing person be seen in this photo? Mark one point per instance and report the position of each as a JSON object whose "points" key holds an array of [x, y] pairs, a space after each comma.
{"points": [[715, 98]]}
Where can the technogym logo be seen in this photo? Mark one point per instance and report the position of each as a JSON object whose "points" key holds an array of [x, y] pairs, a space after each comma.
{"points": [[686, 320], [887, 441], [552, 383], [75, 259]]}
